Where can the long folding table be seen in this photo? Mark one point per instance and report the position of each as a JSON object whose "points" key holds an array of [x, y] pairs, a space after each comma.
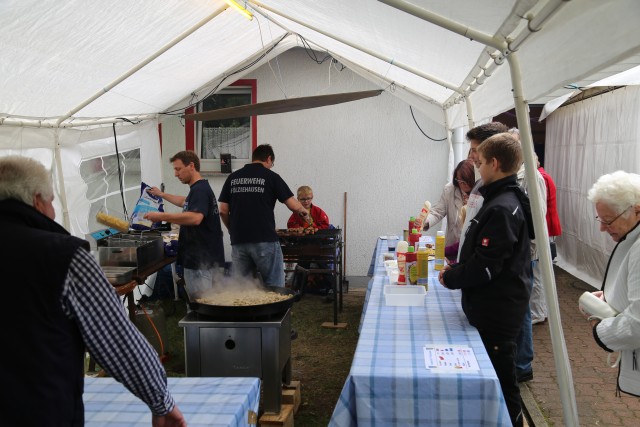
{"points": [[389, 383]]}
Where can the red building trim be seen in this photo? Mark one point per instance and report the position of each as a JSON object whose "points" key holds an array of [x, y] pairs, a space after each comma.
{"points": [[189, 131]]}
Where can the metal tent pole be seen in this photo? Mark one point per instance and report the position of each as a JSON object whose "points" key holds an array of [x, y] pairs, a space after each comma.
{"points": [[63, 193], [563, 368]]}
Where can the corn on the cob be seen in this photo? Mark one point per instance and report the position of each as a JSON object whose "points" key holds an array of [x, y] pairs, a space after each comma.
{"points": [[112, 221]]}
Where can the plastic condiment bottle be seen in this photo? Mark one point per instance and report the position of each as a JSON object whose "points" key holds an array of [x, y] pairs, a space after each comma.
{"points": [[439, 264], [414, 238], [422, 217], [412, 221], [411, 267], [401, 256], [423, 266]]}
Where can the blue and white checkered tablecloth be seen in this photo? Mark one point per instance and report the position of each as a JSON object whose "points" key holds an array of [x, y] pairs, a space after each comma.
{"points": [[388, 384], [204, 401]]}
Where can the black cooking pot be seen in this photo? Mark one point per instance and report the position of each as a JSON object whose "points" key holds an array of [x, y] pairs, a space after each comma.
{"points": [[247, 312]]}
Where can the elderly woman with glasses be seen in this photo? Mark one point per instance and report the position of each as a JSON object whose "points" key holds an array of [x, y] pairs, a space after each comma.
{"points": [[453, 199], [617, 202], [318, 217]]}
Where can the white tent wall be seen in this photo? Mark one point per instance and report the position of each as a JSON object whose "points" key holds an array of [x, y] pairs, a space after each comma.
{"points": [[584, 141], [77, 145], [370, 149]]}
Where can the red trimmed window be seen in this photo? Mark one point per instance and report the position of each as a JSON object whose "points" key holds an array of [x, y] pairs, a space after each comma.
{"points": [[237, 136]]}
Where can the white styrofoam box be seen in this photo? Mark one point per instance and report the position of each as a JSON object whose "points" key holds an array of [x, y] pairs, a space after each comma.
{"points": [[404, 295]]}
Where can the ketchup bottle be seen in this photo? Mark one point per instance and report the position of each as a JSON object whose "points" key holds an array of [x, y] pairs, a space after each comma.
{"points": [[412, 223], [401, 255]]}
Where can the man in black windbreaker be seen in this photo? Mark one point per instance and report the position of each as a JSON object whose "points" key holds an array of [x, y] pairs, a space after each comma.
{"points": [[495, 264]]}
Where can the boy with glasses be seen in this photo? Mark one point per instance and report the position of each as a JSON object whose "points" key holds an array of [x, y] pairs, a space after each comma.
{"points": [[318, 218]]}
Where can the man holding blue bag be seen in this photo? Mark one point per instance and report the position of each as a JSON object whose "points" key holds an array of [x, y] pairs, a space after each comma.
{"points": [[200, 247]]}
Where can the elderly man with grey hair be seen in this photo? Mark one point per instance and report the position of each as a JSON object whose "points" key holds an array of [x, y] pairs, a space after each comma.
{"points": [[67, 305]]}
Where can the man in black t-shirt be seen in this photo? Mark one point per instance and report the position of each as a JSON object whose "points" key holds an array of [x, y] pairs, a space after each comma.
{"points": [[200, 248], [247, 200]]}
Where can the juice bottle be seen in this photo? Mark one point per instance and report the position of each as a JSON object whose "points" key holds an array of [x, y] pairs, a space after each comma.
{"points": [[411, 267], [401, 255], [439, 264], [423, 266]]}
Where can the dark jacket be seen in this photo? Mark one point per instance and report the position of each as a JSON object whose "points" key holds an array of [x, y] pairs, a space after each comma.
{"points": [[43, 373], [495, 265]]}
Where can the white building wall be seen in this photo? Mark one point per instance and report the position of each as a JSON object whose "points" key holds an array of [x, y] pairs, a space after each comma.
{"points": [[369, 149]]}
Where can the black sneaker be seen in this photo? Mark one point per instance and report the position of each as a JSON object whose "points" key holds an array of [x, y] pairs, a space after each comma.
{"points": [[525, 376]]}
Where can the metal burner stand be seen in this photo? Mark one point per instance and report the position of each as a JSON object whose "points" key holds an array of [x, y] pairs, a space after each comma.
{"points": [[259, 348]]}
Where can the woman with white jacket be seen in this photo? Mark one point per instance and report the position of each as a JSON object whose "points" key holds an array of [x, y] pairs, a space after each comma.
{"points": [[617, 201], [454, 197]]}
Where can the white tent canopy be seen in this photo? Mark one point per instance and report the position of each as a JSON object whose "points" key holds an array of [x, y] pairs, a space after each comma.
{"points": [[57, 55], [84, 63]]}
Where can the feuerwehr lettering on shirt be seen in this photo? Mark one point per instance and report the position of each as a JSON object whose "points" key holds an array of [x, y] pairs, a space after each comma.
{"points": [[247, 185]]}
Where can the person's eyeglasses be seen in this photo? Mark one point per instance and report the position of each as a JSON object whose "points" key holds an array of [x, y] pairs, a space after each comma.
{"points": [[305, 199], [608, 223]]}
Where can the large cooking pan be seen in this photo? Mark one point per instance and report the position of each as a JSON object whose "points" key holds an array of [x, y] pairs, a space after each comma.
{"points": [[247, 312]]}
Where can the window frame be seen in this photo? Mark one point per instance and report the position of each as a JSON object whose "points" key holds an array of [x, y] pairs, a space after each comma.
{"points": [[193, 132]]}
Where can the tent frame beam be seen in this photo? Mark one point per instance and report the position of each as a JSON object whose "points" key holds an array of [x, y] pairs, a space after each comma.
{"points": [[86, 122], [561, 358]]}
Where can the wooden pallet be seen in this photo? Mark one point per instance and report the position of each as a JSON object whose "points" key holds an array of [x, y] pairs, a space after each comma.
{"points": [[283, 419], [291, 395], [291, 399]]}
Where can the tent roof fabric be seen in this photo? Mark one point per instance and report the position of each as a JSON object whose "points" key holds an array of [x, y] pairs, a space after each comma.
{"points": [[56, 55]]}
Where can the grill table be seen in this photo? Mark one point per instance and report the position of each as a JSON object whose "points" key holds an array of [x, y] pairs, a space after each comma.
{"points": [[324, 247]]}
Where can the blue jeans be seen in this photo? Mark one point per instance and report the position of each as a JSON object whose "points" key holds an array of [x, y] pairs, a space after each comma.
{"points": [[264, 257], [196, 281], [524, 340]]}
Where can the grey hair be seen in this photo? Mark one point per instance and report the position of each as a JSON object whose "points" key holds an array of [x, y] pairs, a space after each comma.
{"points": [[618, 190], [22, 178]]}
